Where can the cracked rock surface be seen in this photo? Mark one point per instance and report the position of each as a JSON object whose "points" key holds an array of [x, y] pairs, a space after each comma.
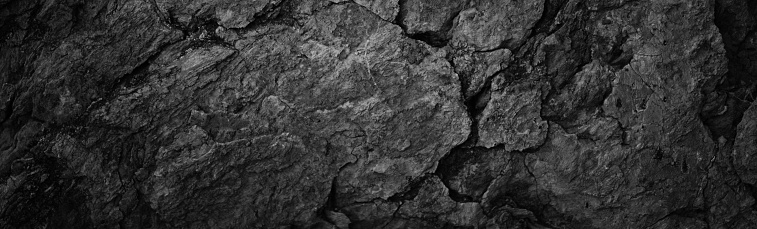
{"points": [[378, 114]]}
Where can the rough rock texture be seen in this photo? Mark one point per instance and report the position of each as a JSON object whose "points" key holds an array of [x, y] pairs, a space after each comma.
{"points": [[229, 14], [744, 155], [378, 114], [512, 116], [491, 24], [429, 20]]}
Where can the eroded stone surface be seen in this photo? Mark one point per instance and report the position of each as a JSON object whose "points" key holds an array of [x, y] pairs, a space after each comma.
{"points": [[432, 201], [354, 114], [230, 14], [377, 114], [743, 156], [468, 173], [433, 18], [490, 24], [385, 9], [512, 117], [475, 69]]}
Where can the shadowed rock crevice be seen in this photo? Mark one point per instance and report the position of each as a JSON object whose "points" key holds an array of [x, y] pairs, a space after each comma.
{"points": [[429, 21], [411, 191], [736, 90], [450, 166], [48, 197]]}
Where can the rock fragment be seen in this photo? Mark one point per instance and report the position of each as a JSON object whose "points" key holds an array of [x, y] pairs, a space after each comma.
{"points": [[512, 118], [491, 24]]}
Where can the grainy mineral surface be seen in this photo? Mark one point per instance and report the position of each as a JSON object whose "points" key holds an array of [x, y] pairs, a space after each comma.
{"points": [[378, 114]]}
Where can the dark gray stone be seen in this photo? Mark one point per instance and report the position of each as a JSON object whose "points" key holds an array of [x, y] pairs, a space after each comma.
{"points": [[377, 114]]}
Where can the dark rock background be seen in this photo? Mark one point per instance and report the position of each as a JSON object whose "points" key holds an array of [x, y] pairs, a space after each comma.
{"points": [[378, 114]]}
